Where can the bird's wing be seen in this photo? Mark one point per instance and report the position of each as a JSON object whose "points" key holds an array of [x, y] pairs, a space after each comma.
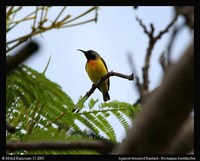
{"points": [[107, 71]]}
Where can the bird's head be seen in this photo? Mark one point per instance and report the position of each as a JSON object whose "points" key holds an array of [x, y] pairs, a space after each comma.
{"points": [[90, 54]]}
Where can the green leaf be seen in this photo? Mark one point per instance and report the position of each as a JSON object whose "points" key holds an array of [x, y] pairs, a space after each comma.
{"points": [[33, 97], [45, 69], [92, 103]]}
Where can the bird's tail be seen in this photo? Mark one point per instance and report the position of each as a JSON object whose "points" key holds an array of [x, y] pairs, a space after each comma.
{"points": [[106, 96]]}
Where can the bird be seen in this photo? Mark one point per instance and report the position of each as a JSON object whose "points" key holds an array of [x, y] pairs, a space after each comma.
{"points": [[96, 68]]}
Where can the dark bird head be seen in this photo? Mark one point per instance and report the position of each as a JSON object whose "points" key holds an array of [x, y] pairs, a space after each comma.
{"points": [[90, 54]]}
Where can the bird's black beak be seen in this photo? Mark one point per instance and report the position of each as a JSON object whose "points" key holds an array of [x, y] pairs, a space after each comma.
{"points": [[86, 54], [82, 51]]}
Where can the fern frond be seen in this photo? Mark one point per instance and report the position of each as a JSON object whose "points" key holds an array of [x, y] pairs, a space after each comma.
{"points": [[40, 110], [88, 124], [92, 103], [38, 99], [108, 129], [120, 110], [121, 119]]}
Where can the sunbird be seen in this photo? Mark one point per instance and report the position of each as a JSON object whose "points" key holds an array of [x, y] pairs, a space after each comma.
{"points": [[96, 69]]}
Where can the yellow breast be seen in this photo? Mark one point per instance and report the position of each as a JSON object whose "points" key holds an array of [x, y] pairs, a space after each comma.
{"points": [[96, 69]]}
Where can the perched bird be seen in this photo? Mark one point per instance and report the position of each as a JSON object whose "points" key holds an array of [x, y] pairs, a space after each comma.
{"points": [[96, 69]]}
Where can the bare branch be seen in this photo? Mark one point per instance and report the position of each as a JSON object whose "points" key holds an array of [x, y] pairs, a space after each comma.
{"points": [[59, 14], [143, 26], [80, 23], [152, 41], [164, 112], [100, 146], [24, 53], [81, 15], [95, 86], [166, 29], [39, 27], [106, 76]]}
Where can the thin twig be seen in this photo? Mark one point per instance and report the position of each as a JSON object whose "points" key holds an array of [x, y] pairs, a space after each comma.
{"points": [[81, 15], [41, 29], [166, 29], [59, 15], [143, 26], [34, 22], [16, 23], [45, 69], [8, 13], [95, 86], [24, 19], [41, 15], [106, 76], [80, 23], [26, 37]]}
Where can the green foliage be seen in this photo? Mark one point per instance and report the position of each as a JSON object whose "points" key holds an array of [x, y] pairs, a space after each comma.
{"points": [[121, 110], [31, 95], [92, 103], [41, 111]]}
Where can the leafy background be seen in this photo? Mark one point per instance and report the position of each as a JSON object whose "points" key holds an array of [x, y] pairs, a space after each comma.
{"points": [[40, 111]]}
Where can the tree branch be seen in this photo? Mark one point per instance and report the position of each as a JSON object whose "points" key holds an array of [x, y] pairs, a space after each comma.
{"points": [[13, 61], [164, 112], [184, 141], [95, 86], [166, 29], [40, 27], [152, 41], [144, 27], [100, 146], [106, 76]]}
